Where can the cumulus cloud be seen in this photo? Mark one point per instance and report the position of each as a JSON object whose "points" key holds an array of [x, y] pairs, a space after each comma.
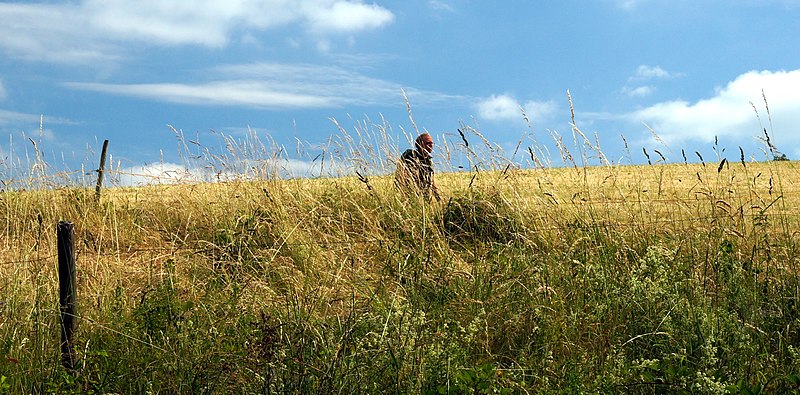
{"points": [[639, 91], [499, 107], [89, 31], [646, 72], [537, 110], [276, 86], [730, 112], [153, 174], [506, 108], [346, 16]]}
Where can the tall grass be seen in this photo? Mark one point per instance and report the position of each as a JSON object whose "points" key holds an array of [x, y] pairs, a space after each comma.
{"points": [[526, 278]]}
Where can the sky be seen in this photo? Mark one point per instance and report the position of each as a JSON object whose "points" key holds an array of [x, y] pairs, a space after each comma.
{"points": [[677, 76]]}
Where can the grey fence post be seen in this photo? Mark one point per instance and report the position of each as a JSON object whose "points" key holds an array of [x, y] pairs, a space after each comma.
{"points": [[101, 170]]}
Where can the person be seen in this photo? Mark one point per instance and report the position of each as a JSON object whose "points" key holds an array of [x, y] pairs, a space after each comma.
{"points": [[415, 169]]}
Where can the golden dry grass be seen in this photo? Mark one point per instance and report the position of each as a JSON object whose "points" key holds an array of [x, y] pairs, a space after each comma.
{"points": [[128, 238], [161, 217], [329, 244]]}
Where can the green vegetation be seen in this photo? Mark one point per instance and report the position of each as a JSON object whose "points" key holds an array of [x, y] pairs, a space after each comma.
{"points": [[606, 279]]}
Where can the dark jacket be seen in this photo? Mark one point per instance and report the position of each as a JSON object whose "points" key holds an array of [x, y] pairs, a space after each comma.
{"points": [[415, 174]]}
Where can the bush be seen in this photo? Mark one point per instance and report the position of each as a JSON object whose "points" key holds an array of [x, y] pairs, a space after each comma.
{"points": [[481, 217]]}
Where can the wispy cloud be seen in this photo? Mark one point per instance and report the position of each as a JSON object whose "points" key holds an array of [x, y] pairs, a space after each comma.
{"points": [[730, 112], [91, 31], [3, 94], [12, 117], [31, 120], [506, 108], [441, 6], [59, 33], [231, 93], [278, 86]]}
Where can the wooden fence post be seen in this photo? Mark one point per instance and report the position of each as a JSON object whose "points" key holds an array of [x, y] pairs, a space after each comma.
{"points": [[101, 170], [67, 292]]}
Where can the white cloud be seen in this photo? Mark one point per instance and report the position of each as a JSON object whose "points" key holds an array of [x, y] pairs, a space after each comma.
{"points": [[345, 16], [277, 86], [12, 117], [3, 93], [502, 107], [171, 173], [294, 168], [159, 173], [232, 93], [506, 108], [645, 72], [537, 110], [90, 31], [164, 22], [31, 121], [51, 32], [639, 91], [729, 113]]}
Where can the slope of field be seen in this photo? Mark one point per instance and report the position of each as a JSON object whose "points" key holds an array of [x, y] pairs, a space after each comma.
{"points": [[618, 279]]}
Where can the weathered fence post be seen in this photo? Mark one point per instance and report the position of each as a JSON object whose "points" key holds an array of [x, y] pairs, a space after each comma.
{"points": [[101, 170], [67, 292]]}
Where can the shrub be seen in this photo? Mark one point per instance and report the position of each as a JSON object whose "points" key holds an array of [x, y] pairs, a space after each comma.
{"points": [[481, 217]]}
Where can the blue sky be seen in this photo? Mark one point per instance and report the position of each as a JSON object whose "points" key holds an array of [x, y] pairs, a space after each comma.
{"points": [[123, 70]]}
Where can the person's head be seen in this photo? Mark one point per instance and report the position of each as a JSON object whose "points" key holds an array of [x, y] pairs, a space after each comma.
{"points": [[424, 143]]}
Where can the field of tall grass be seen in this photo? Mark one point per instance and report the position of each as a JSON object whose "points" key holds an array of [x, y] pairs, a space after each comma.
{"points": [[662, 278]]}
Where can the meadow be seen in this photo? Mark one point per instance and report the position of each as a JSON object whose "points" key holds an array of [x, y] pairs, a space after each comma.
{"points": [[607, 278]]}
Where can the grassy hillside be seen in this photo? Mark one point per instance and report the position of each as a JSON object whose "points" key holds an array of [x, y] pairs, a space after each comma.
{"points": [[616, 279]]}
